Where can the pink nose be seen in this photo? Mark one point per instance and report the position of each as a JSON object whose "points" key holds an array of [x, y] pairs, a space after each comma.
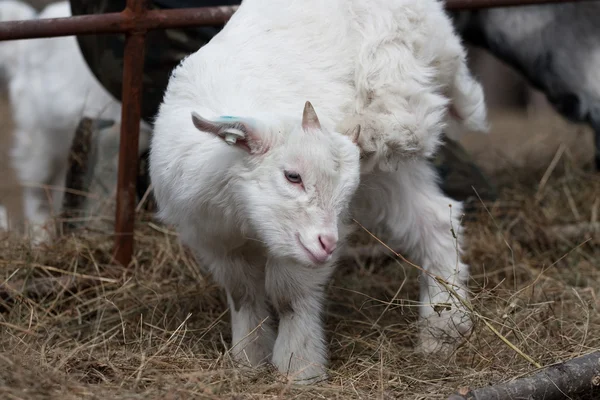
{"points": [[328, 243]]}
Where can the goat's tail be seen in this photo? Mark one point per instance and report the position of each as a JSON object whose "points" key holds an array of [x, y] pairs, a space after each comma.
{"points": [[12, 10], [468, 109]]}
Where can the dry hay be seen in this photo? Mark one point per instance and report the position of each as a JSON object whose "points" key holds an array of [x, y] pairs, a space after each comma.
{"points": [[74, 326]]}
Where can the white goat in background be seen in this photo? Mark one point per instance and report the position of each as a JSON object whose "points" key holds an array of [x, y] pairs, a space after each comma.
{"points": [[3, 219], [51, 88], [268, 214]]}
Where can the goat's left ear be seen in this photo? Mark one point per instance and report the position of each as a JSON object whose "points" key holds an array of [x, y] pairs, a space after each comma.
{"points": [[310, 121], [239, 132]]}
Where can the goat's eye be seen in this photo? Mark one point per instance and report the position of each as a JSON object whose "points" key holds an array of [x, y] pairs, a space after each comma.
{"points": [[293, 177]]}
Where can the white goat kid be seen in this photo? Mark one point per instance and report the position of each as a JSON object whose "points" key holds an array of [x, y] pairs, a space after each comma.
{"points": [[266, 214], [50, 88]]}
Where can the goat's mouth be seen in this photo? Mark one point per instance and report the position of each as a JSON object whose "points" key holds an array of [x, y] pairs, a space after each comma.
{"points": [[317, 259]]}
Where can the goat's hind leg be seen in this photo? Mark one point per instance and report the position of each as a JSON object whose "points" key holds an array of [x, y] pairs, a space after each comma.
{"points": [[425, 224]]}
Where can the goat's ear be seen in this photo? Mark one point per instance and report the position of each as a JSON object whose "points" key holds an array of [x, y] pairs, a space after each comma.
{"points": [[354, 134], [239, 132], [310, 121]]}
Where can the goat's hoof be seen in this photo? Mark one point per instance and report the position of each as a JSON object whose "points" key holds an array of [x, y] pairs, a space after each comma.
{"points": [[252, 356], [39, 236], [308, 375], [299, 371], [441, 335]]}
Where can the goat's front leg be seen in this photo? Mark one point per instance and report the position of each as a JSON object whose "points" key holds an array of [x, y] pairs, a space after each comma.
{"points": [[297, 293], [252, 329], [252, 332]]}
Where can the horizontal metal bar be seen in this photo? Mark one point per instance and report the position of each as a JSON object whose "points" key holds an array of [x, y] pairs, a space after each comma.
{"points": [[477, 4], [126, 21], [121, 22]]}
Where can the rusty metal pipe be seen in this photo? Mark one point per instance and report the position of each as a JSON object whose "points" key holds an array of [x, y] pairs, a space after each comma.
{"points": [[121, 22], [477, 4], [131, 113]]}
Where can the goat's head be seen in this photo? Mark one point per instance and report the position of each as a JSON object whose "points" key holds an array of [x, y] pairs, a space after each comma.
{"points": [[297, 182]]}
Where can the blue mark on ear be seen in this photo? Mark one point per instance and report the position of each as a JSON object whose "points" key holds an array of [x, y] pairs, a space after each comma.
{"points": [[231, 118]]}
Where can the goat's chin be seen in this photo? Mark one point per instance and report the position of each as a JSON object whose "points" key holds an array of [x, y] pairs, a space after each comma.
{"points": [[294, 255], [306, 259]]}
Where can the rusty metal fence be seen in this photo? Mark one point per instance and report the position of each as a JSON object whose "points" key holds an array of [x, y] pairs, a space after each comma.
{"points": [[135, 21]]}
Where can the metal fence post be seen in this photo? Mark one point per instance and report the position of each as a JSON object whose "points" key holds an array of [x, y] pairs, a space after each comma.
{"points": [[133, 76]]}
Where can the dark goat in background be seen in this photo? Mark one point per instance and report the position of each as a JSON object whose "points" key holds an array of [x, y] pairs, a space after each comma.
{"points": [[556, 47]]}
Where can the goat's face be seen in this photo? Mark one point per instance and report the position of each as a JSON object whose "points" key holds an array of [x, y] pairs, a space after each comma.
{"points": [[297, 189]]}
